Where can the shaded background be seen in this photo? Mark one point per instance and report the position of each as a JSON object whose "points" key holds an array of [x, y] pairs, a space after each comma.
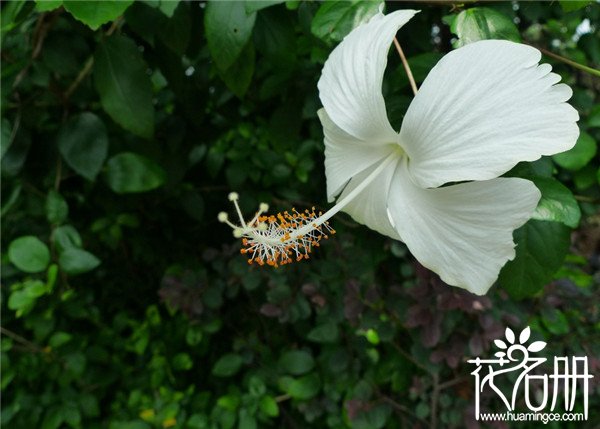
{"points": [[126, 305]]}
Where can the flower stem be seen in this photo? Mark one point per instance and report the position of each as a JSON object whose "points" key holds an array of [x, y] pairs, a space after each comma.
{"points": [[344, 201], [411, 79]]}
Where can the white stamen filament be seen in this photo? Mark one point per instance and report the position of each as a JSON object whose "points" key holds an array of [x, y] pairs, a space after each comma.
{"points": [[344, 202], [275, 238]]}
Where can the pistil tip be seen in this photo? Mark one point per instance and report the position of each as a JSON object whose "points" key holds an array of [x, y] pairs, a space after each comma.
{"points": [[263, 207], [238, 233], [222, 217], [233, 196]]}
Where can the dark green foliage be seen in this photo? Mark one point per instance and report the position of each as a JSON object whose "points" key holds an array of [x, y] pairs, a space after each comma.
{"points": [[126, 305]]}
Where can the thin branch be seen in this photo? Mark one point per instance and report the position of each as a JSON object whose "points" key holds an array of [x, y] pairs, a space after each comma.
{"points": [[450, 383], [87, 68], [398, 406], [411, 79], [572, 63], [408, 357], [25, 342], [586, 199]]}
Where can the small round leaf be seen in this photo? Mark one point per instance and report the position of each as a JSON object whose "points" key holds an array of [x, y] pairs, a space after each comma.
{"points": [[77, 261], [83, 143], [228, 365], [29, 254]]}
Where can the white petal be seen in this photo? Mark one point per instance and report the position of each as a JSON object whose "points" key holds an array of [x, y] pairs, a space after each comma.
{"points": [[482, 109], [350, 86], [536, 346], [346, 156], [524, 336], [462, 232], [510, 335], [370, 207]]}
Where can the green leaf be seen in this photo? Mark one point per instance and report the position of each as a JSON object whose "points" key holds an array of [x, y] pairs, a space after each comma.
{"points": [[16, 152], [10, 200], [75, 363], [296, 362], [51, 276], [335, 19], [327, 333], [268, 405], [541, 249], [571, 5], [555, 321], [66, 237], [585, 177], [593, 118], [194, 335], [53, 418], [130, 173], [59, 338], [246, 420], [83, 143], [89, 404], [579, 156], [124, 86], [29, 254], [275, 38], [557, 203], [230, 402], [256, 5], [480, 23], [35, 288], [227, 365], [239, 76], [5, 135], [47, 5], [21, 302], [72, 415], [372, 336], [182, 362], [95, 13], [175, 34], [228, 29], [168, 7], [12, 14], [56, 207], [77, 261], [304, 388]]}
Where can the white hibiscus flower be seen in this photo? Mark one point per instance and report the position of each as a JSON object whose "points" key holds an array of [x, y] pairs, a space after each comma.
{"points": [[481, 110]]}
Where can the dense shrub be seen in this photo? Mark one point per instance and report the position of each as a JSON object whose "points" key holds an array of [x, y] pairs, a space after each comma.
{"points": [[126, 305]]}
